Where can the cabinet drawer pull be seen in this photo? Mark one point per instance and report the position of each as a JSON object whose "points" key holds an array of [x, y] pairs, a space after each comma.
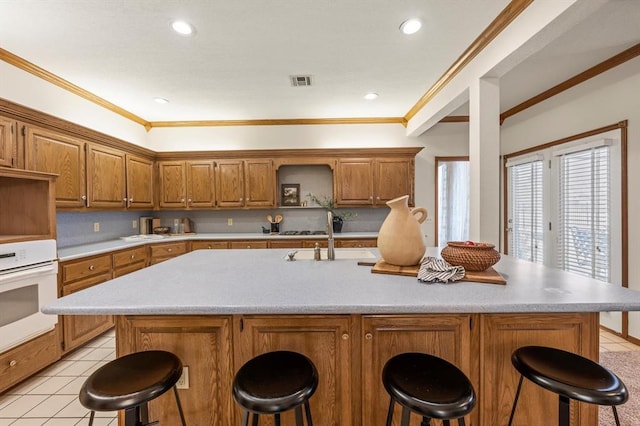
{"points": [[169, 250], [133, 256], [92, 267], [368, 336], [249, 247], [13, 363]]}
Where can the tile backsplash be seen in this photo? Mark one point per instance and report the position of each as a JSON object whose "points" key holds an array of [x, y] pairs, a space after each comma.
{"points": [[78, 228]]}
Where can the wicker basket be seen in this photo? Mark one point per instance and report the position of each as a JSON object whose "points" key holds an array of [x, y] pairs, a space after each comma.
{"points": [[477, 257]]}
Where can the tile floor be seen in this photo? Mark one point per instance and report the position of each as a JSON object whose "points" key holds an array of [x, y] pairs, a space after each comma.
{"points": [[51, 397]]}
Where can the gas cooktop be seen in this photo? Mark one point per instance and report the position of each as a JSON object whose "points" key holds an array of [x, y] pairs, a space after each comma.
{"points": [[305, 232]]}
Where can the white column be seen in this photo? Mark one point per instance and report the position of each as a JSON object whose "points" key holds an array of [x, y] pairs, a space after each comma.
{"points": [[484, 160]]}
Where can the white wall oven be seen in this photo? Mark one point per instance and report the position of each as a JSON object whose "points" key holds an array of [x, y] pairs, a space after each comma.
{"points": [[28, 281]]}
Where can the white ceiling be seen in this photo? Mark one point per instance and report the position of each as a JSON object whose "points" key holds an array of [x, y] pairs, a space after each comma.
{"points": [[238, 64]]}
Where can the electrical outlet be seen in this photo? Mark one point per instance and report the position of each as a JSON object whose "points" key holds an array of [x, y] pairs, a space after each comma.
{"points": [[96, 227], [134, 224], [229, 221], [183, 381], [176, 223]]}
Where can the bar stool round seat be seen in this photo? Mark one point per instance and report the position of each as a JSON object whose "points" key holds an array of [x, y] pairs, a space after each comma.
{"points": [[129, 382], [569, 375], [429, 386], [275, 382]]}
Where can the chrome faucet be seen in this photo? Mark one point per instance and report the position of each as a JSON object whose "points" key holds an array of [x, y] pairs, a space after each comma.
{"points": [[331, 254]]}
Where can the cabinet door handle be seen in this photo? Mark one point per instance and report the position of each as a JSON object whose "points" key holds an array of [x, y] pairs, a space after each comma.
{"points": [[13, 363], [368, 336], [345, 336]]}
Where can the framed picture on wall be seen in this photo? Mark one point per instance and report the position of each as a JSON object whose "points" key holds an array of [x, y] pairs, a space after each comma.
{"points": [[290, 193]]}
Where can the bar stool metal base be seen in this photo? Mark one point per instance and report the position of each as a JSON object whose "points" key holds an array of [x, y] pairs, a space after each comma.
{"points": [[569, 375]]}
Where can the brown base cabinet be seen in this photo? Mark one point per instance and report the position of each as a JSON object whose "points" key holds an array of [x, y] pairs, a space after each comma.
{"points": [[350, 351], [203, 344], [75, 276], [24, 360], [164, 251]]}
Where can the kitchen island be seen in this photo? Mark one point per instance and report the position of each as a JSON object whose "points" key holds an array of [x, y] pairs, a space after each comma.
{"points": [[218, 308]]}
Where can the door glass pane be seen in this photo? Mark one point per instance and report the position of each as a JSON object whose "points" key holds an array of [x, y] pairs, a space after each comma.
{"points": [[18, 303], [584, 209], [526, 236], [453, 201]]}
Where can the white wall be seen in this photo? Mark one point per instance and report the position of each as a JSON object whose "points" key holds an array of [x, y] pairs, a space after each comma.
{"points": [[25, 89], [601, 101]]}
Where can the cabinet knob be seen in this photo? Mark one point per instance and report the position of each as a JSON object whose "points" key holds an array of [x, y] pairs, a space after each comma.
{"points": [[248, 246], [133, 256], [209, 246], [345, 336], [378, 198], [169, 250], [371, 197], [92, 267], [189, 201], [84, 197], [240, 199], [368, 336], [13, 363]]}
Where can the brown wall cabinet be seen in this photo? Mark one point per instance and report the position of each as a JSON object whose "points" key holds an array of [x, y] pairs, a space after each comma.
{"points": [[52, 152], [8, 142], [118, 180], [373, 181], [186, 184], [245, 183]]}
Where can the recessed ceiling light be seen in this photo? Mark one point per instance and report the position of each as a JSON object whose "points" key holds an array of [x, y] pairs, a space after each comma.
{"points": [[410, 26], [182, 27], [161, 100], [371, 96]]}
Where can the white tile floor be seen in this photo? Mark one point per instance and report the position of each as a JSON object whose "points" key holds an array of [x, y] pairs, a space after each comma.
{"points": [[51, 397]]}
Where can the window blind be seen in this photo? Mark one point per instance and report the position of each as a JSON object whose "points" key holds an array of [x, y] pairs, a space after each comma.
{"points": [[584, 212], [526, 236]]}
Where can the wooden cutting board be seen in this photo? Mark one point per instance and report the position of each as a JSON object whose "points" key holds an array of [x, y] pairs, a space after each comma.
{"points": [[490, 276]]}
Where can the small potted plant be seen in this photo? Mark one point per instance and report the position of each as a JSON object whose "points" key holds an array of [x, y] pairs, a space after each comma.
{"points": [[327, 203]]}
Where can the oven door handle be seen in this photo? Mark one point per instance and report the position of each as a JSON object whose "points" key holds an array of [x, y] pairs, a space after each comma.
{"points": [[51, 268]]}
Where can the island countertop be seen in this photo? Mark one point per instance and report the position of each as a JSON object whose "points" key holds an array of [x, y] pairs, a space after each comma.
{"points": [[212, 282]]}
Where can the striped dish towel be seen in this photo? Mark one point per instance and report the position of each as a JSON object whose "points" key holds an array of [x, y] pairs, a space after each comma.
{"points": [[438, 270]]}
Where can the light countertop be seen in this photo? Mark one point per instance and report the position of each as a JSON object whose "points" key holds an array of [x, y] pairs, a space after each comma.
{"points": [[262, 282], [75, 252]]}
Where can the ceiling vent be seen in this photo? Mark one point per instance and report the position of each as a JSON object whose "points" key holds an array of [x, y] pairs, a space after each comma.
{"points": [[300, 80]]}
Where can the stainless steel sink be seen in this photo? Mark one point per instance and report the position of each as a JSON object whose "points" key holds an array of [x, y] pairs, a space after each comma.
{"points": [[307, 254]]}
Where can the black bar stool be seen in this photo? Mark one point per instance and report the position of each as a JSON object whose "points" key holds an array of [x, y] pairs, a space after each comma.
{"points": [[129, 382], [428, 386], [275, 382], [569, 375]]}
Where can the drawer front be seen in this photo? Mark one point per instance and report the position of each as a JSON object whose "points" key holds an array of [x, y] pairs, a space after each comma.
{"points": [[209, 245], [75, 270], [168, 250], [124, 270], [286, 244], [23, 361], [249, 244], [357, 243], [128, 257], [312, 243]]}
